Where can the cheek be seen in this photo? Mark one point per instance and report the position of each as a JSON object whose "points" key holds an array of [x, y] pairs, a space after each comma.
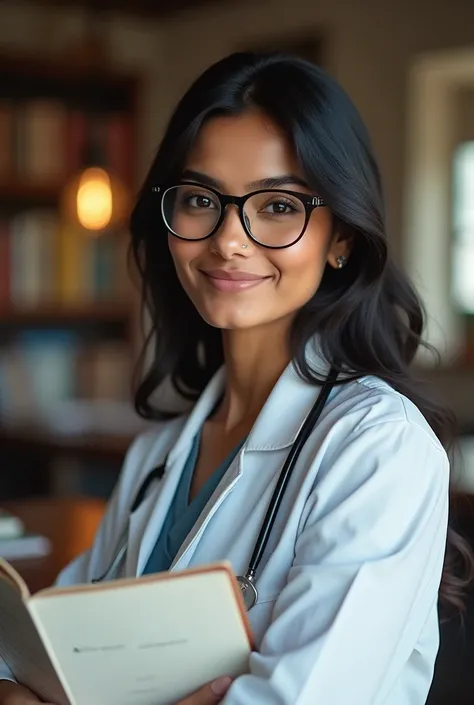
{"points": [[301, 266], [183, 253]]}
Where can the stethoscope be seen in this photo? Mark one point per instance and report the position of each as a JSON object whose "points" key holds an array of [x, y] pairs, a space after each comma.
{"points": [[247, 581]]}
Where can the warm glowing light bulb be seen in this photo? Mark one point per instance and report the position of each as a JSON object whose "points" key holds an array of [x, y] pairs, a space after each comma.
{"points": [[94, 200]]}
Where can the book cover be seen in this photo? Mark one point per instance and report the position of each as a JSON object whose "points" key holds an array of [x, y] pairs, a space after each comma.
{"points": [[152, 640]]}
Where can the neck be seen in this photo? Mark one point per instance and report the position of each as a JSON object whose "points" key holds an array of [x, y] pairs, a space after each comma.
{"points": [[254, 361]]}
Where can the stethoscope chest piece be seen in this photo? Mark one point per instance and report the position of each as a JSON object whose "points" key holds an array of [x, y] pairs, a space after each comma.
{"points": [[249, 591]]}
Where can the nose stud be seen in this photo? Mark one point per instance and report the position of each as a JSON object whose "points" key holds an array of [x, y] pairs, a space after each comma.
{"points": [[244, 246]]}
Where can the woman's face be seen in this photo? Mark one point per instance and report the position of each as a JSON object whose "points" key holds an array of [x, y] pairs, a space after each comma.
{"points": [[234, 282]]}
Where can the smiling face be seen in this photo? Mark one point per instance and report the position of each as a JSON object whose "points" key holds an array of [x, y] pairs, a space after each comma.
{"points": [[234, 282]]}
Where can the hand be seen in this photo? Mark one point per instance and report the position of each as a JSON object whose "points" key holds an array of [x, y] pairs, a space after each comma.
{"points": [[209, 694], [15, 694]]}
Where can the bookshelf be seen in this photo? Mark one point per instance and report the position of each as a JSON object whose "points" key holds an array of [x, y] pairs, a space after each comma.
{"points": [[67, 308], [101, 312], [19, 192], [85, 446]]}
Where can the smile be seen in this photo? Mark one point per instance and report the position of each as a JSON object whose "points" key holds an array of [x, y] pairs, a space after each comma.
{"points": [[233, 281]]}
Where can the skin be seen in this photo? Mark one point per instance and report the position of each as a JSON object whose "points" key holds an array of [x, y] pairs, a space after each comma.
{"points": [[209, 694], [238, 152]]}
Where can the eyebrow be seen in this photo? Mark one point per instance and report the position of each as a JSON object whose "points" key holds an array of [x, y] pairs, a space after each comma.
{"points": [[268, 183]]}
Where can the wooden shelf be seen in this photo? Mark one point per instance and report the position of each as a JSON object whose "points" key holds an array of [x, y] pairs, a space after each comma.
{"points": [[25, 440], [70, 524], [73, 80], [74, 68], [56, 313], [30, 193]]}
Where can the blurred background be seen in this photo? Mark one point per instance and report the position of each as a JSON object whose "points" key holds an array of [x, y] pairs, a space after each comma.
{"points": [[85, 92]]}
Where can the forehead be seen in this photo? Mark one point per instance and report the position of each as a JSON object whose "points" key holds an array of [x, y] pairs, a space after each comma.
{"points": [[241, 149]]}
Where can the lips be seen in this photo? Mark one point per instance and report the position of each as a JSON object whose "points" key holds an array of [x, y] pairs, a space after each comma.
{"points": [[233, 280]]}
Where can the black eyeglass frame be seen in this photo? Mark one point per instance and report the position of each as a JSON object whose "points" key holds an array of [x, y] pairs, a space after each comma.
{"points": [[309, 203]]}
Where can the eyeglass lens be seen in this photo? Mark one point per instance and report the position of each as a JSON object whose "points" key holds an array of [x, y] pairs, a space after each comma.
{"points": [[274, 218]]}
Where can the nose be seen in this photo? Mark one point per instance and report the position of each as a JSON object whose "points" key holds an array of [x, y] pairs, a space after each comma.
{"points": [[231, 238]]}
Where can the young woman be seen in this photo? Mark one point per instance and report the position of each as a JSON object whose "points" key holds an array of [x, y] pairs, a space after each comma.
{"points": [[260, 237]]}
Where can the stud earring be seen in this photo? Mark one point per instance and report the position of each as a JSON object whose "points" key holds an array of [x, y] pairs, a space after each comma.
{"points": [[341, 261]]}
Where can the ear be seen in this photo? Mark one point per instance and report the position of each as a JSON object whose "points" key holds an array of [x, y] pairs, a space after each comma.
{"points": [[339, 250]]}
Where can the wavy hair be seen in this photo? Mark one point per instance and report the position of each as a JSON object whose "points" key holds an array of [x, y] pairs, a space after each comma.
{"points": [[368, 316]]}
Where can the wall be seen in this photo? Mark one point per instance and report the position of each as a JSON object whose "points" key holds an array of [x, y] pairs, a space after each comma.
{"points": [[464, 114], [369, 50]]}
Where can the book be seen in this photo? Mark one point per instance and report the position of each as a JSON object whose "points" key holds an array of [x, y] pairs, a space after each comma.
{"points": [[10, 526], [24, 546], [4, 262], [6, 139], [135, 641], [42, 126]]}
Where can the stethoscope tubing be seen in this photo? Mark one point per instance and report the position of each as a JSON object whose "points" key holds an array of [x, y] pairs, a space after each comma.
{"points": [[248, 580], [286, 472]]}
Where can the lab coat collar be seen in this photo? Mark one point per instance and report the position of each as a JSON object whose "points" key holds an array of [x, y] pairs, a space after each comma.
{"points": [[275, 428], [281, 417]]}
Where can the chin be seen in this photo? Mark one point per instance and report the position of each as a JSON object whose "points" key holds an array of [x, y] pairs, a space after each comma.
{"points": [[230, 320], [229, 324]]}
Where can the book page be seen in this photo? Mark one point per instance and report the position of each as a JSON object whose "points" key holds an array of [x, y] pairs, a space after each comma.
{"points": [[22, 648], [8, 573], [147, 641]]}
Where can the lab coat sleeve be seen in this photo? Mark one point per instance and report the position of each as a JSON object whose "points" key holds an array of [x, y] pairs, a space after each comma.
{"points": [[93, 561], [365, 576]]}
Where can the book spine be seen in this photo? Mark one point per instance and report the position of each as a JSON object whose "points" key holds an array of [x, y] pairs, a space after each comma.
{"points": [[119, 148], [45, 131], [6, 141], [5, 264], [76, 139]]}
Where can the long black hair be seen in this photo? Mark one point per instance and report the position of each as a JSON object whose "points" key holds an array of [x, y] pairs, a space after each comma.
{"points": [[368, 316]]}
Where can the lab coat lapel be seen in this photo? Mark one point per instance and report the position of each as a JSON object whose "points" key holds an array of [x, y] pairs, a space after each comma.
{"points": [[147, 521], [276, 427], [279, 422], [225, 486]]}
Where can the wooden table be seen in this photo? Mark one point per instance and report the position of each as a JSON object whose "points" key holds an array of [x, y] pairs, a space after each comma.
{"points": [[69, 523]]}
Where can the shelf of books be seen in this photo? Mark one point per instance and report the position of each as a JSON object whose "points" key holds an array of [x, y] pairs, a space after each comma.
{"points": [[66, 304]]}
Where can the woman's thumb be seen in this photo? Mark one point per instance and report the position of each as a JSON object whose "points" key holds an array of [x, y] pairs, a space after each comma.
{"points": [[220, 686], [209, 694]]}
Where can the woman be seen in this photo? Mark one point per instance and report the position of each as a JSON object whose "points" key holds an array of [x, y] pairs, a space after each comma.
{"points": [[261, 241]]}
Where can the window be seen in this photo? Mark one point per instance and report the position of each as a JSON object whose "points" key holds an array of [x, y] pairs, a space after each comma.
{"points": [[463, 227]]}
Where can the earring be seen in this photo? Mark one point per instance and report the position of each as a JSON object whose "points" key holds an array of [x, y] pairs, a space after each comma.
{"points": [[341, 261]]}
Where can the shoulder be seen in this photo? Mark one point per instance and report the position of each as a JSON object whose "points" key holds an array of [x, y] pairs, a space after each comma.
{"points": [[379, 480], [378, 438], [369, 402]]}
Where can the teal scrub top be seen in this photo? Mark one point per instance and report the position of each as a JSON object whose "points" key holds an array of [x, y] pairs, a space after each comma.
{"points": [[182, 514]]}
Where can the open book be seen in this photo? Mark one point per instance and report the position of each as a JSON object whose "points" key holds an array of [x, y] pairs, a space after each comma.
{"points": [[140, 641]]}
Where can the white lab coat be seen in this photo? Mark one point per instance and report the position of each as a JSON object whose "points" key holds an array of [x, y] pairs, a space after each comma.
{"points": [[348, 585]]}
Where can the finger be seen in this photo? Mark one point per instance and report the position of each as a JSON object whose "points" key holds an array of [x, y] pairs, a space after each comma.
{"points": [[210, 693]]}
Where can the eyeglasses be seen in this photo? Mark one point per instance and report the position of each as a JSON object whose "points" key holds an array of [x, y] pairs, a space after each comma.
{"points": [[272, 218]]}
